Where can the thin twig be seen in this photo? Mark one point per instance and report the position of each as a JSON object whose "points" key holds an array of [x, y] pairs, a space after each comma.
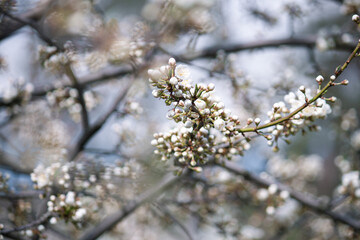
{"points": [[110, 221], [337, 73], [68, 70], [86, 136], [35, 223], [311, 202], [210, 52], [174, 219]]}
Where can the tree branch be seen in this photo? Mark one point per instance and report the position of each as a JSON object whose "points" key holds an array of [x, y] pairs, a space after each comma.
{"points": [[211, 52], [8, 25], [35, 223], [175, 220], [110, 221], [312, 203], [86, 136]]}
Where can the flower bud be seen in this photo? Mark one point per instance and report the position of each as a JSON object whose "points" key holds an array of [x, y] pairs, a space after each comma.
{"points": [[219, 124], [302, 89], [319, 79], [154, 74], [200, 104], [211, 86], [172, 62], [173, 81], [345, 82], [356, 18]]}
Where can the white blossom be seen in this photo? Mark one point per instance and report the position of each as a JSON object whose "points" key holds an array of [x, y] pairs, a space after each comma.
{"points": [[219, 124]]}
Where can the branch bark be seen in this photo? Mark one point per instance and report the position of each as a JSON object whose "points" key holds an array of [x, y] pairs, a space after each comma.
{"points": [[110, 221], [308, 201]]}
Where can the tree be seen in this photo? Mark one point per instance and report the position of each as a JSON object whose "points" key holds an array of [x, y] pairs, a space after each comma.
{"points": [[87, 151]]}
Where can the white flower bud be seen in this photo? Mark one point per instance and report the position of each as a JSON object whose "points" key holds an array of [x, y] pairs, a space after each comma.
{"points": [[272, 189], [211, 86], [53, 220], [262, 194], [172, 62], [154, 74], [154, 142], [270, 210], [200, 104], [356, 18], [345, 82], [284, 194], [319, 79], [164, 70], [188, 124], [174, 138], [173, 81], [332, 77], [204, 131], [187, 103], [219, 124], [257, 121], [302, 89], [155, 93], [220, 105]]}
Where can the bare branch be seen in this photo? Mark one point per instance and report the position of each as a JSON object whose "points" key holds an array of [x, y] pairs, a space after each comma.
{"points": [[86, 136], [175, 220], [309, 201], [8, 25], [210, 52], [35, 223], [110, 221]]}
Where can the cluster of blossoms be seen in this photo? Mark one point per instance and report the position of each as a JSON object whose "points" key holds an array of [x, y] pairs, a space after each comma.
{"points": [[38, 231], [299, 172], [67, 207], [303, 168], [55, 61], [273, 198], [180, 15], [79, 176], [63, 184], [16, 89], [317, 110], [67, 98], [349, 121], [350, 6], [133, 108], [200, 111], [350, 184], [120, 48]]}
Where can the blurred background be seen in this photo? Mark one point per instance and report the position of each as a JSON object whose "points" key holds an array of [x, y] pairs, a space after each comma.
{"points": [[255, 52]]}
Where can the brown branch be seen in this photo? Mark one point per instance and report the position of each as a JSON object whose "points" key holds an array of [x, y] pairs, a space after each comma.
{"points": [[84, 114], [8, 25], [86, 136], [175, 220], [20, 195], [211, 52], [110, 221], [84, 82], [68, 70], [308, 201], [35, 223]]}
